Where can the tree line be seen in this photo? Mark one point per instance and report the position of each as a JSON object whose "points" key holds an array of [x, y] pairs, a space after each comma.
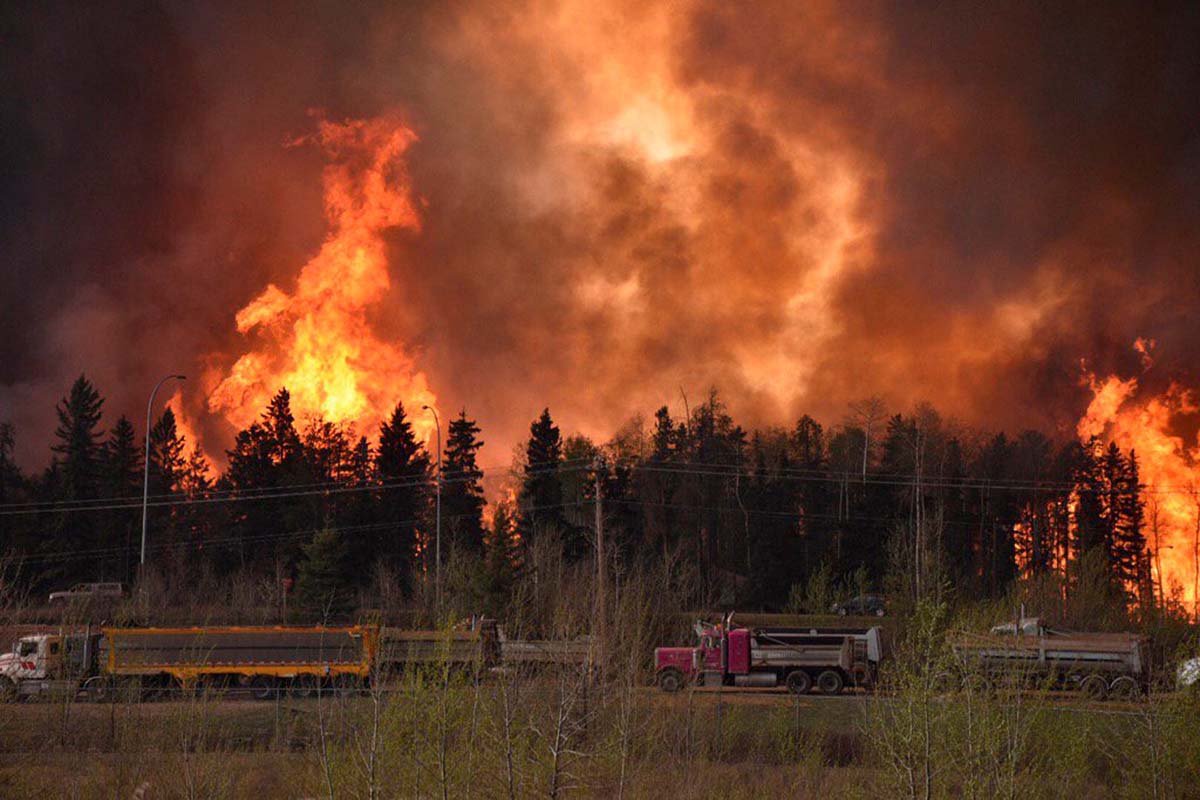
{"points": [[906, 503]]}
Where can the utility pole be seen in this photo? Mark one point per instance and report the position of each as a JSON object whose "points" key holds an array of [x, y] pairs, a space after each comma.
{"points": [[437, 554], [600, 563]]}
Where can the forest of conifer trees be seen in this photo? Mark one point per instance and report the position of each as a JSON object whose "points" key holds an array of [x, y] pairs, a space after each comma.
{"points": [[778, 518]]}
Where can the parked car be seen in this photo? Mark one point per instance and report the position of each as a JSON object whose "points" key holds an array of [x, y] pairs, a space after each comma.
{"points": [[84, 592], [867, 605]]}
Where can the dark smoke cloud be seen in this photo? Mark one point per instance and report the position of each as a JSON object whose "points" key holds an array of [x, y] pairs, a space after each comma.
{"points": [[1025, 196]]}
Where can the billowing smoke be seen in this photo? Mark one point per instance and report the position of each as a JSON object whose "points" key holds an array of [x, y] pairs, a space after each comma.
{"points": [[800, 204]]}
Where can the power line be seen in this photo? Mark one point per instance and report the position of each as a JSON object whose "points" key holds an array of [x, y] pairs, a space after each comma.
{"points": [[268, 489], [673, 468], [694, 468], [236, 496], [906, 480], [73, 555]]}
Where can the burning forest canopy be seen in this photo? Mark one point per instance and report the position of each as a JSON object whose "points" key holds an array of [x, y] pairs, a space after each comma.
{"points": [[501, 208]]}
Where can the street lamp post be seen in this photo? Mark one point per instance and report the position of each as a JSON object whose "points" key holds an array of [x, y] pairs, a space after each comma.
{"points": [[437, 547], [146, 463]]}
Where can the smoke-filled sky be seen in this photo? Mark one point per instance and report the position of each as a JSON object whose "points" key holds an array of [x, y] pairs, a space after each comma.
{"points": [[801, 204]]}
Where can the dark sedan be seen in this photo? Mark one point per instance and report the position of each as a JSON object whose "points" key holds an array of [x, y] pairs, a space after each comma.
{"points": [[867, 605]]}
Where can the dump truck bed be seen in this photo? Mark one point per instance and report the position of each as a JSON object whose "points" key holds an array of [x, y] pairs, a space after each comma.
{"points": [[521, 651], [767, 650], [280, 651], [870, 644], [1063, 652], [399, 647]]}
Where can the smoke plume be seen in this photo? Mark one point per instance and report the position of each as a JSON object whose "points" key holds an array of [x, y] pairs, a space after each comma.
{"points": [[799, 204]]}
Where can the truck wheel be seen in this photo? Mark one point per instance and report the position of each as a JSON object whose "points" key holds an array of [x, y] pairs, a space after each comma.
{"points": [[670, 680], [262, 687], [842, 612], [153, 691], [860, 675], [830, 682], [799, 682], [346, 685], [304, 686], [1095, 687], [1124, 687], [8, 690], [946, 681], [98, 690]]}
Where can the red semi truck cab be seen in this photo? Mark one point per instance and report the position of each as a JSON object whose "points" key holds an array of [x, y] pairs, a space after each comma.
{"points": [[798, 659]]}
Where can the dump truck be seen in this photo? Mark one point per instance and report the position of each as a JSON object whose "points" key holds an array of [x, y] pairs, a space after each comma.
{"points": [[797, 658], [153, 660], [1098, 664], [476, 649], [482, 647], [869, 647], [263, 661], [543, 653]]}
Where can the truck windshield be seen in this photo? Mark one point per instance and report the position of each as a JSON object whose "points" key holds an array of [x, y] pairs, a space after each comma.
{"points": [[26, 648]]}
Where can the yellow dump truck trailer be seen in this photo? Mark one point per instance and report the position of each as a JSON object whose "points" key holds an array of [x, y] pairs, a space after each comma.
{"points": [[299, 659]]}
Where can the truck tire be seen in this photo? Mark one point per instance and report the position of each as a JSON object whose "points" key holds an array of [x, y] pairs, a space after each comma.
{"points": [[8, 690], [670, 680], [799, 682], [946, 681], [262, 687], [347, 685], [1095, 687], [153, 690], [830, 682], [860, 675], [1123, 687], [98, 690]]}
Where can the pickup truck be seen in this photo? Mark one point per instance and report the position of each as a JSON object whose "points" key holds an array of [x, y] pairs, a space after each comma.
{"points": [[86, 592]]}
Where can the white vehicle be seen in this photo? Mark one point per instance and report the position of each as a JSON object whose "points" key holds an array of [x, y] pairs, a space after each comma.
{"points": [[47, 662], [84, 592], [1188, 674]]}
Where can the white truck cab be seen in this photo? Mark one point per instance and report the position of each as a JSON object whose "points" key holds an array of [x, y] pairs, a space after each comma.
{"points": [[29, 656], [44, 662]]}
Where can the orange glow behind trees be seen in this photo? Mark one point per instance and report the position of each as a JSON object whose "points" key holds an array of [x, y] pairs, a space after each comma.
{"points": [[318, 340], [1169, 469]]}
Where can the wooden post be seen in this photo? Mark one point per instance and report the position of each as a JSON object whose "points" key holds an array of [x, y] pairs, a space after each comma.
{"points": [[601, 606]]}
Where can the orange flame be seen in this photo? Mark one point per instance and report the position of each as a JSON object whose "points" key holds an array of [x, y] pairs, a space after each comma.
{"points": [[318, 340], [185, 426], [505, 494], [1170, 469]]}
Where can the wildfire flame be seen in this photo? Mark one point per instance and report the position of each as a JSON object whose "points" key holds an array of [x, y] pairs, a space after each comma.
{"points": [[1170, 468], [185, 426], [318, 340]]}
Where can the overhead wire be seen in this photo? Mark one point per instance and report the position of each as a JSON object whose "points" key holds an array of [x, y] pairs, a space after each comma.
{"points": [[231, 496], [304, 533], [267, 489], [665, 467]]}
